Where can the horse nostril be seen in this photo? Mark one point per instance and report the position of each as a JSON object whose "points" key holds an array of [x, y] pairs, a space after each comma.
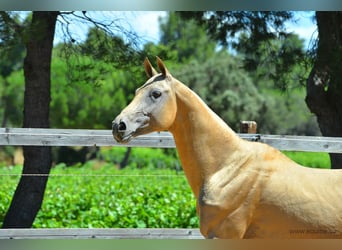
{"points": [[114, 126], [122, 126]]}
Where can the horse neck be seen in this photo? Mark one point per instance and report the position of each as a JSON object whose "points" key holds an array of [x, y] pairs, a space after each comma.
{"points": [[203, 140]]}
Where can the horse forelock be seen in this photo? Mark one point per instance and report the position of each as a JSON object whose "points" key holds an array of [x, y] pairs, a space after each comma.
{"points": [[151, 81]]}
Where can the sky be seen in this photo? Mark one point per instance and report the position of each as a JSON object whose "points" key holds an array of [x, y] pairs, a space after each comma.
{"points": [[145, 24], [305, 26]]}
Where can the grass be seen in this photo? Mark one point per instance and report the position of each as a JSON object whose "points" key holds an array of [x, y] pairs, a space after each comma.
{"points": [[92, 196], [310, 159]]}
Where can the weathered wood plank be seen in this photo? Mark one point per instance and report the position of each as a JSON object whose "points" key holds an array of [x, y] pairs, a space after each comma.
{"points": [[84, 137], [101, 233], [305, 143], [299, 143], [78, 137]]}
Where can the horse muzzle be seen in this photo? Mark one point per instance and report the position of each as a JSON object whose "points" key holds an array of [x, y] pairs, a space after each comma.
{"points": [[119, 131], [123, 131]]}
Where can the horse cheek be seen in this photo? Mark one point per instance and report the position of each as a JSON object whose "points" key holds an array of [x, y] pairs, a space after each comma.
{"points": [[166, 117]]}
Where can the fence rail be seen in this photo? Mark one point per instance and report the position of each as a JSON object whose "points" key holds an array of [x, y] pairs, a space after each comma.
{"points": [[84, 137], [101, 233]]}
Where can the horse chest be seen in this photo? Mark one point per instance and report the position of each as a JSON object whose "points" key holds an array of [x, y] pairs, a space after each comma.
{"points": [[226, 207]]}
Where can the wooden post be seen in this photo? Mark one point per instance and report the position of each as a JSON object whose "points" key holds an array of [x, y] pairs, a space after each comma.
{"points": [[249, 127]]}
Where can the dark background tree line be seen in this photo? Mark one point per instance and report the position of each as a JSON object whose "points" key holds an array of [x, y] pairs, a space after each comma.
{"points": [[84, 84]]}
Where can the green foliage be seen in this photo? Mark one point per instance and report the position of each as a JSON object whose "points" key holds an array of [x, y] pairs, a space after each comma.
{"points": [[12, 53], [225, 87], [102, 46], [222, 25], [162, 51], [310, 159], [280, 62], [92, 197], [233, 93], [185, 38], [12, 49], [95, 95], [278, 70], [150, 158], [275, 62], [8, 184], [12, 99], [93, 81], [286, 113]]}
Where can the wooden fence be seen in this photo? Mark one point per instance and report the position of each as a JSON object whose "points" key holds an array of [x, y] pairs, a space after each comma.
{"points": [[101, 233], [84, 137], [98, 138]]}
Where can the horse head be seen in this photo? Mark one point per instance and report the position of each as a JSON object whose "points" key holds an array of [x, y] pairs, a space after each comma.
{"points": [[152, 109]]}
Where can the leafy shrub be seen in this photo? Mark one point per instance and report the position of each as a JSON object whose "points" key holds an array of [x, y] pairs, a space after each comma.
{"points": [[151, 158], [8, 184], [104, 197], [310, 159]]}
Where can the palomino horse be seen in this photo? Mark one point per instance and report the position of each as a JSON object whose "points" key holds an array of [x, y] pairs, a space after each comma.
{"points": [[243, 189]]}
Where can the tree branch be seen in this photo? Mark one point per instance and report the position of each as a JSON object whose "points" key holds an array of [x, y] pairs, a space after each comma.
{"points": [[10, 22], [110, 27]]}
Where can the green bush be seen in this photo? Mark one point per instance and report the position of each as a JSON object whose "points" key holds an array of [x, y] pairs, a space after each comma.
{"points": [[104, 197], [151, 158], [310, 159], [8, 184]]}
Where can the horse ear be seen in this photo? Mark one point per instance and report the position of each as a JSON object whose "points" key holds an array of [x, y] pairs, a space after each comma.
{"points": [[162, 67], [150, 71]]}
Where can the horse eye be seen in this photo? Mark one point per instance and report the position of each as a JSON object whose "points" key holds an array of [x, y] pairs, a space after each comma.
{"points": [[156, 94]]}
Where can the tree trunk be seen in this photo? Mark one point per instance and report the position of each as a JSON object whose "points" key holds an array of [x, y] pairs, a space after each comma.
{"points": [[124, 161], [324, 85], [29, 194]]}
